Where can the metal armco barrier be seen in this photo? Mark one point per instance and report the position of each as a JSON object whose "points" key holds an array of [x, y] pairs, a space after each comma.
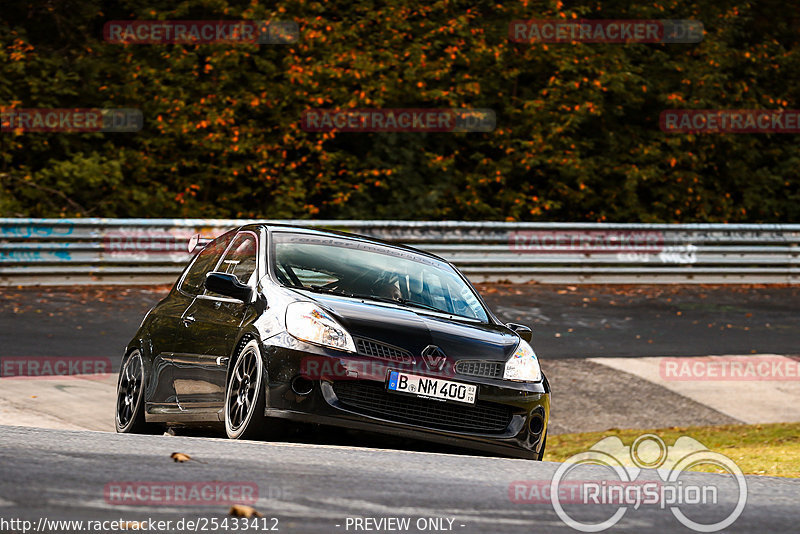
{"points": [[69, 251]]}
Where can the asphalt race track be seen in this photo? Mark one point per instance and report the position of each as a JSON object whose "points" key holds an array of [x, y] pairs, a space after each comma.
{"points": [[323, 482], [568, 322], [309, 488]]}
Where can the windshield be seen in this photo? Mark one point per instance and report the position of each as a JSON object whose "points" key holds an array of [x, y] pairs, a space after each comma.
{"points": [[353, 268]]}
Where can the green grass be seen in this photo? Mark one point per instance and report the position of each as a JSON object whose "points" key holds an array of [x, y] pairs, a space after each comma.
{"points": [[768, 449]]}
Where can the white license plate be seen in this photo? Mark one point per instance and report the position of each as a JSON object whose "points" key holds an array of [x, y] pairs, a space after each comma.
{"points": [[434, 388]]}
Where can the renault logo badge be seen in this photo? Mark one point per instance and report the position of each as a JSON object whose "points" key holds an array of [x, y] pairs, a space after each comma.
{"points": [[434, 357]]}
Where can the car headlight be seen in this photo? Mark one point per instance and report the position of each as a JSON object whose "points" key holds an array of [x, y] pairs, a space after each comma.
{"points": [[308, 322], [523, 365]]}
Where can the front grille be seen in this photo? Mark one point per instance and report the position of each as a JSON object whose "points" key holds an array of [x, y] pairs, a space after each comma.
{"points": [[480, 368], [371, 398], [383, 351]]}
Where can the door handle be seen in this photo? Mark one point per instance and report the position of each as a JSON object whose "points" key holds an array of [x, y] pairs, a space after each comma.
{"points": [[188, 320]]}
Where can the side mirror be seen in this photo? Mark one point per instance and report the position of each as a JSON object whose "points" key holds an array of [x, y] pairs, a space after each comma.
{"points": [[524, 331], [228, 285], [197, 243]]}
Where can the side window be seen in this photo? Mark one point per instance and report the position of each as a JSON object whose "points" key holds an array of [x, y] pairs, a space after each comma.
{"points": [[204, 262], [240, 259]]}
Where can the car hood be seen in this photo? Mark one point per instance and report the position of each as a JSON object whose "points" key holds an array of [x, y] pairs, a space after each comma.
{"points": [[415, 329]]}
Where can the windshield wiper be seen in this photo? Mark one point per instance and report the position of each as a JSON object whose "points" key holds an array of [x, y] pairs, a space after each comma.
{"points": [[401, 301], [415, 304], [329, 290]]}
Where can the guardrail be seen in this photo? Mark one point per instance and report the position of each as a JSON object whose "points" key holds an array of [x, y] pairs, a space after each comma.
{"points": [[67, 251]]}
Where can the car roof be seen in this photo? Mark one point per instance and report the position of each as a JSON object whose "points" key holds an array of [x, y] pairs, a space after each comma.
{"points": [[358, 237]]}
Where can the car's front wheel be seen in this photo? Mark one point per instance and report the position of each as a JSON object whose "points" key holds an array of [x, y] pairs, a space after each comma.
{"points": [[245, 398], [129, 417]]}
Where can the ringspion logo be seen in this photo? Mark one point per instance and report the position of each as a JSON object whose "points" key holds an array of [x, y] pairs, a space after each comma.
{"points": [[702, 504]]}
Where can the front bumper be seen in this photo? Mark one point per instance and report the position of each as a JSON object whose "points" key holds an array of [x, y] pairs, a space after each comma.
{"points": [[349, 391]]}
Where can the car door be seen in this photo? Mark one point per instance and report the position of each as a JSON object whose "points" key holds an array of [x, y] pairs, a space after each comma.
{"points": [[212, 327], [166, 328]]}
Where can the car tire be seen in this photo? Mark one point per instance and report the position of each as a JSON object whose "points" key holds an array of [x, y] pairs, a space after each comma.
{"points": [[245, 398], [129, 412]]}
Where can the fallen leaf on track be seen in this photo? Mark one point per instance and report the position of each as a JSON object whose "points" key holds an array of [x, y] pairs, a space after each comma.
{"points": [[240, 510], [181, 457]]}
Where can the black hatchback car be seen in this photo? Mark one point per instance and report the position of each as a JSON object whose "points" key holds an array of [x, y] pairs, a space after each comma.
{"points": [[271, 324]]}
